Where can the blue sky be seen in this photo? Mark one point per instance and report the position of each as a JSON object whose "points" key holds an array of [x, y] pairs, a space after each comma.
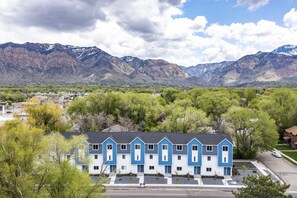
{"points": [[226, 12], [186, 32]]}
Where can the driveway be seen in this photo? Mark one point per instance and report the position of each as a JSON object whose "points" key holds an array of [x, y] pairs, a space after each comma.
{"points": [[282, 168]]}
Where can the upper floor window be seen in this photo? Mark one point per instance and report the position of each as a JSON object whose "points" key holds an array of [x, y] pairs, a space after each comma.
{"points": [[123, 156], [137, 146], [150, 147], [151, 156], [225, 148], [209, 148], [165, 147], [194, 147], [178, 157], [95, 146], [95, 156], [208, 158], [123, 146], [179, 147], [109, 146]]}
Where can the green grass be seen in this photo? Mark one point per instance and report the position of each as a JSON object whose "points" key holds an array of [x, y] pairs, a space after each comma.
{"points": [[283, 147], [292, 155]]}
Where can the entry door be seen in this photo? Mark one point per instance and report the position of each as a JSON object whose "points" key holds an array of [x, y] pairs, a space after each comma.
{"points": [[227, 171], [197, 170], [168, 169], [112, 168], [140, 168]]}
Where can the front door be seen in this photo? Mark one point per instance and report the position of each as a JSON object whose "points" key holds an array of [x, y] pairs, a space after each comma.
{"points": [[227, 171], [112, 168], [140, 168], [168, 169], [197, 170]]}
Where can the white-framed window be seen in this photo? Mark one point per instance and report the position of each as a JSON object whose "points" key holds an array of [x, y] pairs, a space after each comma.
{"points": [[164, 158], [137, 157], [109, 146], [179, 157], [209, 148], [95, 146], [96, 167], [123, 156], [179, 147], [225, 159], [109, 158], [95, 156], [194, 148], [151, 156], [150, 147], [137, 146], [179, 168], [225, 148], [165, 147], [123, 146], [208, 158], [195, 159], [123, 167], [208, 169], [151, 168]]}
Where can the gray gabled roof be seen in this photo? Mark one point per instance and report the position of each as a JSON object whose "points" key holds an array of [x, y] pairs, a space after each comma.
{"points": [[152, 137]]}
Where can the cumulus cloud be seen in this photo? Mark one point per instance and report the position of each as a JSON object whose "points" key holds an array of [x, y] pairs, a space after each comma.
{"points": [[252, 4], [146, 29]]}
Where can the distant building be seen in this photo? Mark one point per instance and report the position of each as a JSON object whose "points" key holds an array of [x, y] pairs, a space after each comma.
{"points": [[290, 136], [154, 152]]}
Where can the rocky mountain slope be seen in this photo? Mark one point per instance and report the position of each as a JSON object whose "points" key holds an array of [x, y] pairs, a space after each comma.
{"points": [[45, 63]]}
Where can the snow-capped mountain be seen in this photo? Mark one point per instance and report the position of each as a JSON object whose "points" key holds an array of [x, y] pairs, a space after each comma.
{"points": [[289, 50]]}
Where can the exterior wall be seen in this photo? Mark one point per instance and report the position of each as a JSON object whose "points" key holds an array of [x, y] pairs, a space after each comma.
{"points": [[213, 164], [181, 163], [153, 162]]}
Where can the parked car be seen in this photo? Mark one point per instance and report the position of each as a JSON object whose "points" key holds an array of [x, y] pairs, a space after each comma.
{"points": [[276, 154]]}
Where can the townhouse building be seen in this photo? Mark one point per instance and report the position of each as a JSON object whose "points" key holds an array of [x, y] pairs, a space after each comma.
{"points": [[158, 152]]}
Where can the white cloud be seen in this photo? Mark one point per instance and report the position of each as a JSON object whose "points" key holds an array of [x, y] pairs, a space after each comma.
{"points": [[252, 4], [148, 29]]}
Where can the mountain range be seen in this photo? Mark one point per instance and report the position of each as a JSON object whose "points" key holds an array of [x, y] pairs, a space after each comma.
{"points": [[31, 63]]}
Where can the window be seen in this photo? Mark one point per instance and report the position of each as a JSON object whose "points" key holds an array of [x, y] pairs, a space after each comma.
{"points": [[209, 148], [68, 156], [194, 147], [208, 169], [151, 167], [164, 158], [109, 158], [194, 159], [150, 147], [179, 157], [123, 167], [95, 146], [165, 146], [96, 167], [225, 159], [95, 156], [123, 156], [137, 146], [225, 148], [179, 168], [109, 147], [208, 158], [137, 157], [123, 146], [179, 147], [151, 156]]}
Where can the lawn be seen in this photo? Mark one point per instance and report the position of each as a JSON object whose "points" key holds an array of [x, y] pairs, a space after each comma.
{"points": [[291, 154], [283, 147]]}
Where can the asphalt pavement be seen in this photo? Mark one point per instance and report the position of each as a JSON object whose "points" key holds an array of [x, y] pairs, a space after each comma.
{"points": [[282, 168]]}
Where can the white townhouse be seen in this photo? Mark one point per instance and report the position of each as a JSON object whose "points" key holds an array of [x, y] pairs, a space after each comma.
{"points": [[152, 153]]}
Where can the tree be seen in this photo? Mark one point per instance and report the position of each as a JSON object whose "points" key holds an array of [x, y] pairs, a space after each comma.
{"points": [[262, 187], [252, 131], [45, 115]]}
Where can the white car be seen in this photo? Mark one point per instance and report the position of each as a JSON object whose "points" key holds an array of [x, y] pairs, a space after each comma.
{"points": [[276, 154]]}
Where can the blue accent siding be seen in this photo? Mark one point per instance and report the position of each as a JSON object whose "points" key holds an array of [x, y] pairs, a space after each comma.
{"points": [[142, 148], [169, 156], [154, 151], [213, 152], [184, 151], [230, 153], [199, 157], [114, 151], [119, 150]]}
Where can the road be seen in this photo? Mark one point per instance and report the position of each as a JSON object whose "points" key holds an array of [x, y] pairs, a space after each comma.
{"points": [[201, 193], [282, 168]]}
